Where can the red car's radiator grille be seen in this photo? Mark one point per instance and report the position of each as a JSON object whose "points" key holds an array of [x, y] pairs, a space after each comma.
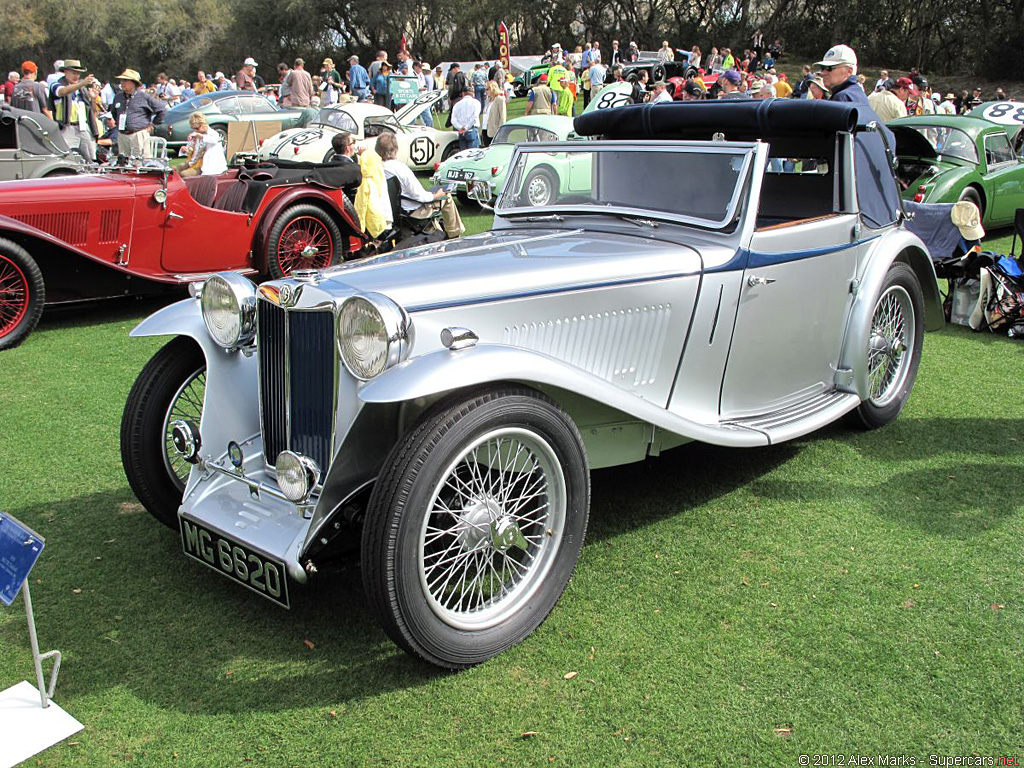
{"points": [[110, 226], [72, 228]]}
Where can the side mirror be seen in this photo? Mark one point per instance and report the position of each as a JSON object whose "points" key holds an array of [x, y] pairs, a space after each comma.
{"points": [[482, 192]]}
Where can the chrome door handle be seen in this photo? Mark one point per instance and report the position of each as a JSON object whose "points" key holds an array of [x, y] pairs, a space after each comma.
{"points": [[173, 215], [754, 281]]}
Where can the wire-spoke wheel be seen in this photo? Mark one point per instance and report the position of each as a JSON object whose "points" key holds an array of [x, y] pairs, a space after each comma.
{"points": [[171, 386], [22, 294], [476, 524], [894, 347], [186, 405], [303, 237], [492, 528]]}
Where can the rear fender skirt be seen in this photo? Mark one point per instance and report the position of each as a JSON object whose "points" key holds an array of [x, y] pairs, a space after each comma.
{"points": [[897, 245], [302, 194], [444, 371]]}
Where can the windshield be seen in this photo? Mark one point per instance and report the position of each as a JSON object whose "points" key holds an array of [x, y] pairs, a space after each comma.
{"points": [[517, 134], [676, 181], [336, 118], [950, 142]]}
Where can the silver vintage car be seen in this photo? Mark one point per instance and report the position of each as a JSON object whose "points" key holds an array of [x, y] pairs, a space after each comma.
{"points": [[736, 274], [32, 147]]}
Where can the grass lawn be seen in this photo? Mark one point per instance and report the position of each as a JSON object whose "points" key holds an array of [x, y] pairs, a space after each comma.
{"points": [[854, 592]]}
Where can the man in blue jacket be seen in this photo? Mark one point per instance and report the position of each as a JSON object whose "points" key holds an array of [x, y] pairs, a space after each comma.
{"points": [[877, 193], [358, 79]]}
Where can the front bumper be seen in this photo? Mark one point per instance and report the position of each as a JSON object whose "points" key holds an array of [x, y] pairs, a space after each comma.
{"points": [[256, 517]]}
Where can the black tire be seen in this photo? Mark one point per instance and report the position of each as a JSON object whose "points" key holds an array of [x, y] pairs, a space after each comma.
{"points": [[329, 155], [877, 412], [970, 194], [22, 294], [632, 77], [281, 249], [520, 90], [539, 201], [144, 442], [398, 516], [658, 73], [450, 150]]}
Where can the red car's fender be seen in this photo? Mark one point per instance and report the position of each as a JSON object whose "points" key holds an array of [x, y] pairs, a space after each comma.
{"points": [[272, 207]]}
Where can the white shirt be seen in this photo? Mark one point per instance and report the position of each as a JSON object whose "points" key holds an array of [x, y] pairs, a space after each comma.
{"points": [[663, 96], [947, 107], [466, 114], [214, 161], [410, 186]]}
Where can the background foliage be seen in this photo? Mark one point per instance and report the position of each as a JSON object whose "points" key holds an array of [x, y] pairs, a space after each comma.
{"points": [[937, 36]]}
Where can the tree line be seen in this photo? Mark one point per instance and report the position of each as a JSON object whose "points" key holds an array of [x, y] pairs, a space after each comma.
{"points": [[181, 36]]}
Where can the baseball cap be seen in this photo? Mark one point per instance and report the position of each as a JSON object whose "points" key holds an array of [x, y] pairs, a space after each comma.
{"points": [[543, 78], [906, 82], [936, 97], [732, 76], [950, 95], [838, 54], [967, 218], [694, 90], [29, 66], [250, 62]]}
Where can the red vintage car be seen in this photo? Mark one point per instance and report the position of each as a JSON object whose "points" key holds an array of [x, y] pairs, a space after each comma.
{"points": [[136, 231]]}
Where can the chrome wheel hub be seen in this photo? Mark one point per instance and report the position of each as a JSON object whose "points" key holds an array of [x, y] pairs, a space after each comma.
{"points": [[309, 252], [538, 191]]}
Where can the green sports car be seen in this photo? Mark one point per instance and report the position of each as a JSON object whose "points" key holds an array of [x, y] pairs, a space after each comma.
{"points": [[943, 159], [490, 164], [224, 107]]}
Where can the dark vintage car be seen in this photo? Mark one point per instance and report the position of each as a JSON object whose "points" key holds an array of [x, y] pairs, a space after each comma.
{"points": [[225, 107], [32, 147], [655, 68], [138, 231]]}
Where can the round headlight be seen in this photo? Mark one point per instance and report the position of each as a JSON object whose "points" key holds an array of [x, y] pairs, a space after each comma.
{"points": [[297, 475], [229, 309], [373, 335]]}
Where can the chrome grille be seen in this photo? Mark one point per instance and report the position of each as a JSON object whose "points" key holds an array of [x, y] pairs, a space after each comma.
{"points": [[297, 364]]}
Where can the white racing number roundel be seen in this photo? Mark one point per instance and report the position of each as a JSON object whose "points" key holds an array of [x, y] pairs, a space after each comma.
{"points": [[422, 149], [612, 97], [1005, 113]]}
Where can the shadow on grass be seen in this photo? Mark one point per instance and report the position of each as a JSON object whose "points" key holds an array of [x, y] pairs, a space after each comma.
{"points": [[104, 311], [174, 634]]}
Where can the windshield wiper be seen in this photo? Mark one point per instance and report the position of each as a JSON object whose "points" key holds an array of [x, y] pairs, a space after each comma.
{"points": [[549, 217], [637, 220]]}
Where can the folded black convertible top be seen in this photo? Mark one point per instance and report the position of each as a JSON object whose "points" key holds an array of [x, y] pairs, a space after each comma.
{"points": [[738, 119]]}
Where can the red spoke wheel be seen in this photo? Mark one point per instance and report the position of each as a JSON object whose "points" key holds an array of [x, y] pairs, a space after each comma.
{"points": [[303, 237], [22, 294]]}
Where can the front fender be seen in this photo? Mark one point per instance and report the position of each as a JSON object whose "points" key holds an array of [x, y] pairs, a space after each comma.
{"points": [[897, 245], [444, 371], [231, 402]]}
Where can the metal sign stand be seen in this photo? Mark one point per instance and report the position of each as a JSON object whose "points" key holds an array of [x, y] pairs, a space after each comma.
{"points": [[45, 691]]}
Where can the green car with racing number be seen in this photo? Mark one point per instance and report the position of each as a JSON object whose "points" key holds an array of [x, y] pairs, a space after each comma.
{"points": [[944, 159]]}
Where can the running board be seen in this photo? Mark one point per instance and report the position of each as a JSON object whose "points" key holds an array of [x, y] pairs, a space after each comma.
{"points": [[799, 419]]}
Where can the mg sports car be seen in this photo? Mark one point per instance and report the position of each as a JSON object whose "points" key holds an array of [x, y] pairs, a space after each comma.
{"points": [[490, 163], [418, 146], [946, 159], [32, 147], [133, 231], [1010, 115], [224, 107], [439, 409]]}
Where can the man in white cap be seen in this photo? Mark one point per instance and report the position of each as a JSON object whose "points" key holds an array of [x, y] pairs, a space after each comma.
{"points": [[245, 79], [839, 73]]}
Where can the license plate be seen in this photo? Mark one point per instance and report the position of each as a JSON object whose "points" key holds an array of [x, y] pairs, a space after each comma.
{"points": [[258, 572], [458, 175]]}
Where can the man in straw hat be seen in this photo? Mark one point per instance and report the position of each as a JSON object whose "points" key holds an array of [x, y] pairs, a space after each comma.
{"points": [[72, 107], [135, 113]]}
